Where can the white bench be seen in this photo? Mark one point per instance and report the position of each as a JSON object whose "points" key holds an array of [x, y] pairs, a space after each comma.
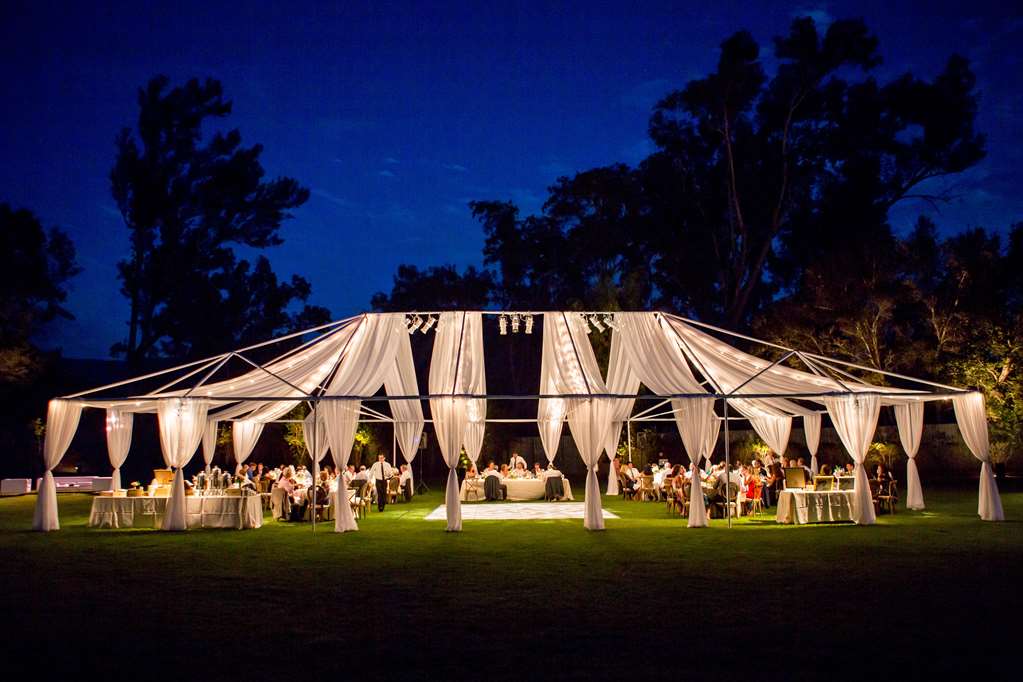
{"points": [[79, 484]]}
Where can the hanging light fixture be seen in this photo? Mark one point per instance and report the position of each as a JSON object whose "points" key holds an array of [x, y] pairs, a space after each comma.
{"points": [[529, 324], [595, 321], [515, 323], [416, 322], [609, 320], [502, 324], [430, 321], [586, 324]]}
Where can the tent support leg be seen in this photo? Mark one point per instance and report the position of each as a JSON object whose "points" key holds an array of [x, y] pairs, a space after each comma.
{"points": [[628, 438], [728, 472]]}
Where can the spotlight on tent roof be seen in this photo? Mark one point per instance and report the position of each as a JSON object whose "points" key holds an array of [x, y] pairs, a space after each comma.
{"points": [[609, 320], [416, 322], [430, 321], [595, 321], [515, 323], [502, 324], [529, 324]]}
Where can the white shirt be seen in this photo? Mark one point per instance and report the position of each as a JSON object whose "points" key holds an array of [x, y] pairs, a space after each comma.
{"points": [[491, 472], [514, 462], [381, 471], [406, 476], [347, 475]]}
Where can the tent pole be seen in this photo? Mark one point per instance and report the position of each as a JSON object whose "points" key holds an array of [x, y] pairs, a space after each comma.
{"points": [[394, 444], [316, 470], [728, 472], [628, 438]]}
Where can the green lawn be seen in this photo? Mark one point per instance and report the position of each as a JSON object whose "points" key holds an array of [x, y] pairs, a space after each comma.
{"points": [[918, 595]]}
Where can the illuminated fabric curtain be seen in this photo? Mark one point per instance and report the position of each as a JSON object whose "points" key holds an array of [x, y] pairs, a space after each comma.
{"points": [[812, 433], [972, 419], [119, 425], [182, 422], [855, 420], [910, 419], [61, 423]]}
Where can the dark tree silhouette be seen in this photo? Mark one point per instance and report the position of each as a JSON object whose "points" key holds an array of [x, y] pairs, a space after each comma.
{"points": [[186, 202], [436, 288]]}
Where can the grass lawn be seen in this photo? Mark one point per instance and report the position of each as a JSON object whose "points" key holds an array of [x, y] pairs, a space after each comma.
{"points": [[919, 595]]}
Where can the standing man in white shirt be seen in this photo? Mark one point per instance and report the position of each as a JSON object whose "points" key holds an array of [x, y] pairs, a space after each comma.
{"points": [[515, 459], [381, 472]]}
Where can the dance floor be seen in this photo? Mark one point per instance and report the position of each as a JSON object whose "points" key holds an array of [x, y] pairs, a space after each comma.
{"points": [[525, 511]]}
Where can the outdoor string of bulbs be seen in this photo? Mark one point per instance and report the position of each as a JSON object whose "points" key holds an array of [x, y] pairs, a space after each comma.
{"points": [[600, 322]]}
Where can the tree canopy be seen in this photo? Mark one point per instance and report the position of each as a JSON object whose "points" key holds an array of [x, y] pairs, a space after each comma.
{"points": [[187, 202]]}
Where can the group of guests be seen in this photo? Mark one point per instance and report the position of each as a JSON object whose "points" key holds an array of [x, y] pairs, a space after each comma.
{"points": [[762, 478], [298, 484], [516, 468]]}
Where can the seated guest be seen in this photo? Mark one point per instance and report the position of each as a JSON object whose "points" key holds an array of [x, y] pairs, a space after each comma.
{"points": [[504, 471], [850, 469], [471, 473], [882, 474], [362, 474], [349, 473], [519, 471], [491, 470], [537, 471], [405, 481], [825, 470]]}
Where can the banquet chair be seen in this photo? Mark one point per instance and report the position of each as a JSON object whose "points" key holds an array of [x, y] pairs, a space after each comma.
{"points": [[888, 497], [393, 490], [646, 488], [756, 503], [492, 488], [875, 492], [280, 505], [472, 490], [554, 488], [624, 488], [729, 505]]}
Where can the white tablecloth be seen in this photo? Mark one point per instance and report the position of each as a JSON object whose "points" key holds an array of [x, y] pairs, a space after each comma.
{"points": [[201, 512], [814, 506], [518, 489]]}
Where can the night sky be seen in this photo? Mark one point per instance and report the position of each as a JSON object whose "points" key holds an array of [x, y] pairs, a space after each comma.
{"points": [[396, 115]]}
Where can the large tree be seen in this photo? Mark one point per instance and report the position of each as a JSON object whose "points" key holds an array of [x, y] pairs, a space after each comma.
{"points": [[36, 266], [186, 202]]}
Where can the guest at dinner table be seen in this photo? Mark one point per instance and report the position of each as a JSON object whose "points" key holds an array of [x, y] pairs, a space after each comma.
{"points": [[825, 470], [349, 473], [801, 462], [504, 471], [882, 474], [472, 473], [774, 484], [491, 469], [537, 471], [405, 481], [850, 469], [520, 470]]}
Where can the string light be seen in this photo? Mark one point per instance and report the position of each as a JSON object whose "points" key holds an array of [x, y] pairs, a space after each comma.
{"points": [[416, 322], [515, 323], [430, 321], [502, 324], [595, 321], [529, 324]]}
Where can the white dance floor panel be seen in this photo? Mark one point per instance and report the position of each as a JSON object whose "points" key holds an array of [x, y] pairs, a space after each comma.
{"points": [[518, 511]]}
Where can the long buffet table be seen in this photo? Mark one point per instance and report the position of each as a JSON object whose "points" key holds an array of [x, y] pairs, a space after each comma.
{"points": [[815, 506], [518, 489], [237, 512]]}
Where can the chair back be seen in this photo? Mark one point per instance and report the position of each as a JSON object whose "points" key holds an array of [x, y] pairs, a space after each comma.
{"points": [[491, 487], [392, 485], [554, 486], [646, 482], [732, 492]]}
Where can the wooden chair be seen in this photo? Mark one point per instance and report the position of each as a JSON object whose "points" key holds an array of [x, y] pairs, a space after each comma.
{"points": [[624, 489], [671, 499], [472, 490], [756, 503], [729, 504], [393, 490], [646, 488], [875, 492], [887, 497], [684, 501]]}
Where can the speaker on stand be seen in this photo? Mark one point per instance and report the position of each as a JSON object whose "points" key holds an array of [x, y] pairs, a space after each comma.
{"points": [[421, 486]]}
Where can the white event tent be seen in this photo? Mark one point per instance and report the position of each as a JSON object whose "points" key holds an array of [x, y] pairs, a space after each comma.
{"points": [[690, 376]]}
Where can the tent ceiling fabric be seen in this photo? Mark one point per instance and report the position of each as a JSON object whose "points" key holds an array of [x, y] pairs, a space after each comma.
{"points": [[674, 358]]}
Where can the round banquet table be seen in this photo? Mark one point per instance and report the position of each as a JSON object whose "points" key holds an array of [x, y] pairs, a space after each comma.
{"points": [[519, 489], [201, 511]]}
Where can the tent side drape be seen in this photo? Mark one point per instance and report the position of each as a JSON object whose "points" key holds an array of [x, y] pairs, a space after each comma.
{"points": [[812, 433], [61, 423], [621, 380], [408, 414], [244, 436], [209, 442], [182, 422], [119, 425], [910, 419], [971, 416], [855, 420]]}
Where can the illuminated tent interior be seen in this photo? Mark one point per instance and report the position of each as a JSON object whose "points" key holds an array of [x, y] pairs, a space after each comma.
{"points": [[660, 367]]}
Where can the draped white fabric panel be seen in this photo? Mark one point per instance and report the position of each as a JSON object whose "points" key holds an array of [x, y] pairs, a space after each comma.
{"points": [[812, 433], [696, 422], [340, 419], [621, 380], [774, 430], [366, 360], [119, 425], [550, 412], [570, 368], [971, 416], [855, 420], [182, 422], [61, 423], [244, 436], [910, 419], [209, 442], [408, 414], [456, 367], [316, 441]]}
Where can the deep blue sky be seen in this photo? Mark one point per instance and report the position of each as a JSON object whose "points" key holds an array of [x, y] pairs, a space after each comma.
{"points": [[398, 114]]}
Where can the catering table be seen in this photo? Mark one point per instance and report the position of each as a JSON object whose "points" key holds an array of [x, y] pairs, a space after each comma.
{"points": [[814, 506], [200, 512], [518, 489]]}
